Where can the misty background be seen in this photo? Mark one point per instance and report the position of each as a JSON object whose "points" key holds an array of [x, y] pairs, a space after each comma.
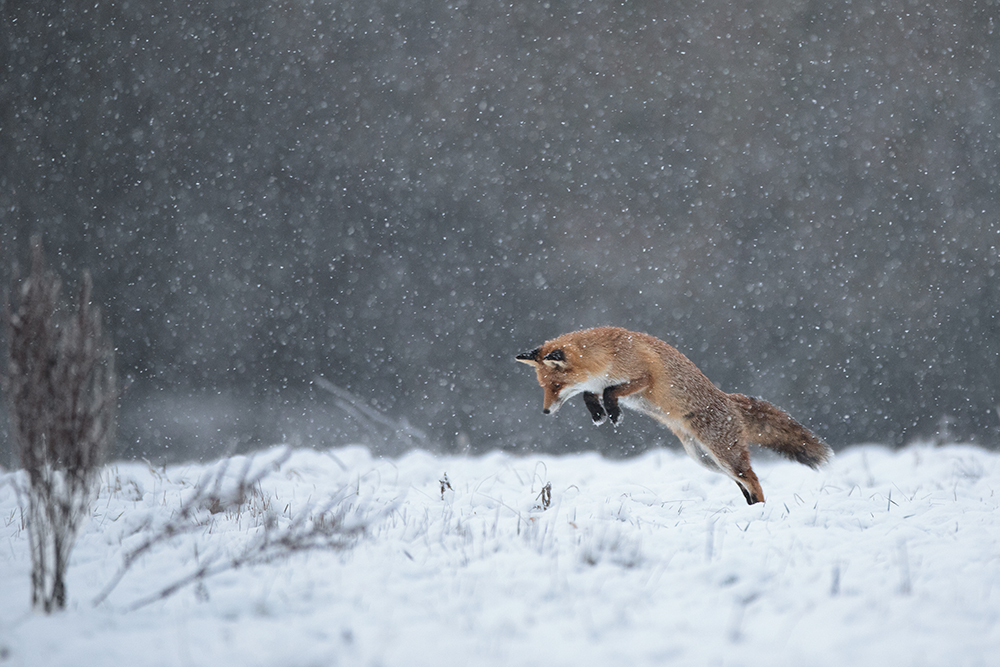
{"points": [[396, 197]]}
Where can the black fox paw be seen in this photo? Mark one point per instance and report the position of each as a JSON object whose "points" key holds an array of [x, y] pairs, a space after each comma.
{"points": [[596, 409], [614, 412], [610, 402]]}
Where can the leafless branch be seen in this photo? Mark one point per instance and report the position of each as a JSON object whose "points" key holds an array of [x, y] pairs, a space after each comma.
{"points": [[328, 526], [207, 494]]}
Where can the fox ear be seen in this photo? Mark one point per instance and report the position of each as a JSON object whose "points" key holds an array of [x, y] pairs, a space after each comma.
{"points": [[530, 358], [556, 359]]}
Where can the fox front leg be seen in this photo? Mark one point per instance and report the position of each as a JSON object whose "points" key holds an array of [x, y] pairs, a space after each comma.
{"points": [[603, 407], [615, 392], [611, 405], [596, 409]]}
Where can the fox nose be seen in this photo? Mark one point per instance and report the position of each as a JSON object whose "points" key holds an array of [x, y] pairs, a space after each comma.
{"points": [[545, 411]]}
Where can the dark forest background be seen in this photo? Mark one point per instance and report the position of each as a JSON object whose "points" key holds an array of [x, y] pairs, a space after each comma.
{"points": [[399, 195]]}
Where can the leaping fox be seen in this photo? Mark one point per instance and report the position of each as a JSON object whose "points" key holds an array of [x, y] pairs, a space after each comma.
{"points": [[609, 365]]}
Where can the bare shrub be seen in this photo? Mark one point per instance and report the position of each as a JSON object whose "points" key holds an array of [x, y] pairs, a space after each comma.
{"points": [[332, 525], [62, 396]]}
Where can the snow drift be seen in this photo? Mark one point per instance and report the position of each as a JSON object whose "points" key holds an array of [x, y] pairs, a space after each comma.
{"points": [[882, 557]]}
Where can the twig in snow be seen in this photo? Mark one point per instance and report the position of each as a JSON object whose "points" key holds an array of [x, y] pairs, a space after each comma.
{"points": [[326, 528], [208, 494], [445, 484], [546, 497]]}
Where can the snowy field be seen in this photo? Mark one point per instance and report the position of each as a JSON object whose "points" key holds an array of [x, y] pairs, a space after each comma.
{"points": [[882, 558]]}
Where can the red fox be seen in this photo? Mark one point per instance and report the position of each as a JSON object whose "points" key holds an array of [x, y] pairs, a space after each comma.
{"points": [[609, 365]]}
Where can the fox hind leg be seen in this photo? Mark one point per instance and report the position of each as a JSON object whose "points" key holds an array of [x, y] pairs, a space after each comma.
{"points": [[700, 453], [737, 466], [716, 433], [750, 486], [734, 461], [746, 494]]}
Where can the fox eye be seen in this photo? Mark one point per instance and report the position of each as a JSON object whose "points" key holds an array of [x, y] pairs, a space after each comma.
{"points": [[556, 355]]}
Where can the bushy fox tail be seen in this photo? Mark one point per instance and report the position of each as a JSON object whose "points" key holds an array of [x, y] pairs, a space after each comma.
{"points": [[769, 426]]}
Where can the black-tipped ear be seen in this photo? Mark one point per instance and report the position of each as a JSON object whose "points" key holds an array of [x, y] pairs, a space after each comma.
{"points": [[529, 357], [556, 359]]}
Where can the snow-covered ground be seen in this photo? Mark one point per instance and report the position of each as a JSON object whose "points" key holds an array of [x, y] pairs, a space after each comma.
{"points": [[881, 558]]}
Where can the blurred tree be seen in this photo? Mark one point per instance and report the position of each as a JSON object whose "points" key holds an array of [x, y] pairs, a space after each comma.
{"points": [[399, 194]]}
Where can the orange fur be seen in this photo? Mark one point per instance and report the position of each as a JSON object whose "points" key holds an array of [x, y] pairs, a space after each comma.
{"points": [[611, 364]]}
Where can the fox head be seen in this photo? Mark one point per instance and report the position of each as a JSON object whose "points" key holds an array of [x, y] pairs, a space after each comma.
{"points": [[560, 372]]}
